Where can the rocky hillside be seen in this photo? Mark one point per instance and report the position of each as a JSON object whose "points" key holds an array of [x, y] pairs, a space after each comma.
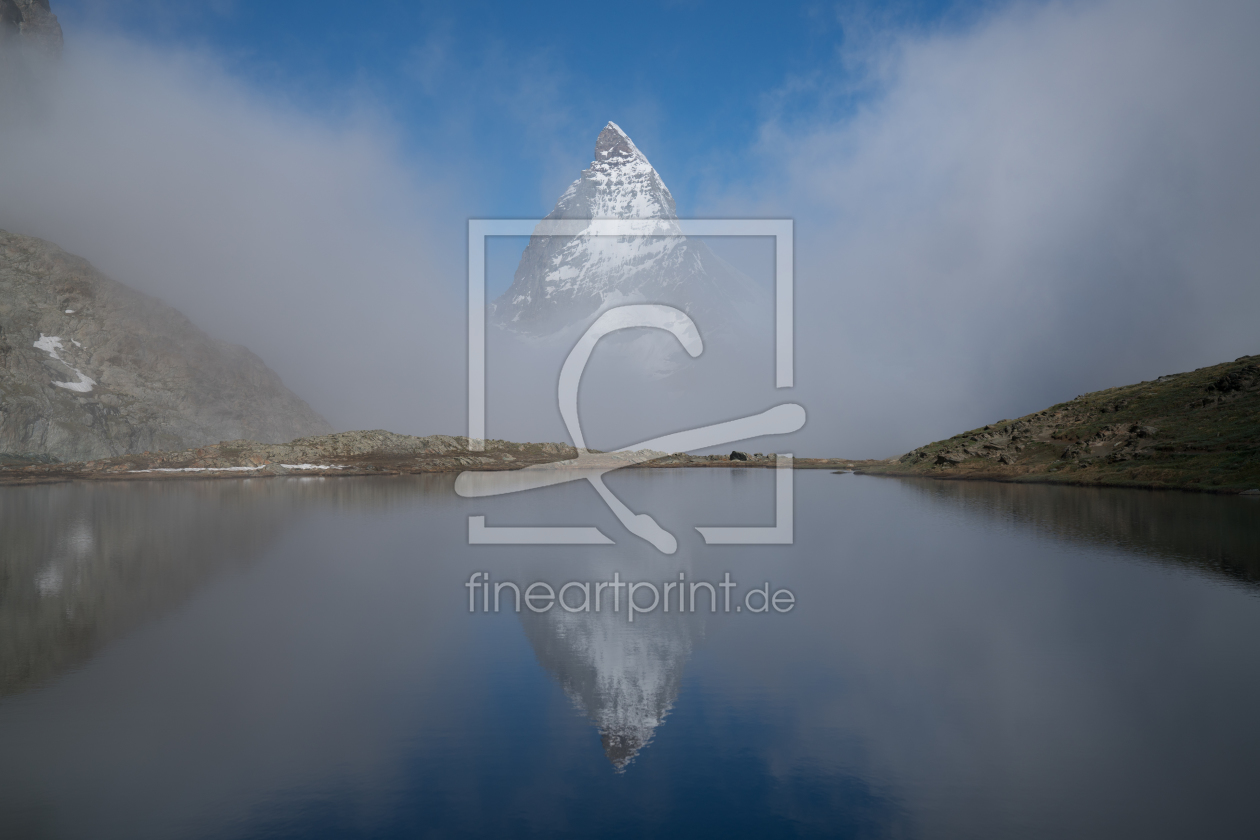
{"points": [[1197, 430], [91, 369]]}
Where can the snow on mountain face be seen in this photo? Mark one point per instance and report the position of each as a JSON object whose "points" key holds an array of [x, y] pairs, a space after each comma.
{"points": [[620, 184], [564, 280]]}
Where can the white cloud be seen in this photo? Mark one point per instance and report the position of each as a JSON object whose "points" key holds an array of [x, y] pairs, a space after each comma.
{"points": [[307, 239], [1060, 198]]}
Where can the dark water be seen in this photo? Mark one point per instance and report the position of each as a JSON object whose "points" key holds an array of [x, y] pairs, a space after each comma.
{"points": [[296, 658]]}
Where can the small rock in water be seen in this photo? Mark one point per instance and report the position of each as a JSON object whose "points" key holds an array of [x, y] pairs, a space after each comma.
{"points": [[739, 456]]}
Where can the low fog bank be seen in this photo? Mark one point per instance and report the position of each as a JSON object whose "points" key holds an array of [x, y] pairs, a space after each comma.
{"points": [[307, 239], [638, 384], [1062, 199]]}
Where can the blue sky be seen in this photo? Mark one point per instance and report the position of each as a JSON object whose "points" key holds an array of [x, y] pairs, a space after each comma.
{"points": [[513, 94]]}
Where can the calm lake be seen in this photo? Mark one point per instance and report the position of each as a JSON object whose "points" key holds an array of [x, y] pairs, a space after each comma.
{"points": [[295, 657]]}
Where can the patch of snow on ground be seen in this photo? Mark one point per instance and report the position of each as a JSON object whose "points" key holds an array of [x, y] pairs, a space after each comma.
{"points": [[197, 469], [51, 344], [83, 386], [241, 469]]}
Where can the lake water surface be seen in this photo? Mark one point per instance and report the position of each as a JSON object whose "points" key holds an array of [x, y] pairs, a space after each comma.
{"points": [[296, 658]]}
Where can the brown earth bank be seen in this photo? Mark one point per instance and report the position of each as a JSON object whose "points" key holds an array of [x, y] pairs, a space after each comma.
{"points": [[358, 453], [1188, 431]]}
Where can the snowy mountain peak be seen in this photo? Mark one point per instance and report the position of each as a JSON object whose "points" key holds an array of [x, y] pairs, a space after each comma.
{"points": [[620, 184], [563, 280], [615, 144]]}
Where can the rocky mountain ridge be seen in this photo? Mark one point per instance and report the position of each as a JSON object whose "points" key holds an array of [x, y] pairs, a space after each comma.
{"points": [[90, 368], [31, 21]]}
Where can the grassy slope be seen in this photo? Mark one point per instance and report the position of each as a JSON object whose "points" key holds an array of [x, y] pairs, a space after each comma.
{"points": [[1197, 431]]}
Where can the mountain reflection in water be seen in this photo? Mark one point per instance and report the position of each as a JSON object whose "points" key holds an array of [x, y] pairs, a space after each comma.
{"points": [[83, 563], [296, 657], [625, 677]]}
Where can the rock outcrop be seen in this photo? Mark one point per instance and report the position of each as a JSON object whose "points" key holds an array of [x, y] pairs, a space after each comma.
{"points": [[90, 368], [31, 22]]}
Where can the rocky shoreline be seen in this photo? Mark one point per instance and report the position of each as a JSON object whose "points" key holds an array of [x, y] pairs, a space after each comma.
{"points": [[358, 454]]}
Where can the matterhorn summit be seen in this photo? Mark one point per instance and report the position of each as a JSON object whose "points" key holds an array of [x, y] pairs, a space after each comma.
{"points": [[563, 281]]}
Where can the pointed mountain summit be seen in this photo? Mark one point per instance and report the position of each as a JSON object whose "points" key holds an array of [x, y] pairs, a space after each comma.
{"points": [[621, 184], [563, 281]]}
